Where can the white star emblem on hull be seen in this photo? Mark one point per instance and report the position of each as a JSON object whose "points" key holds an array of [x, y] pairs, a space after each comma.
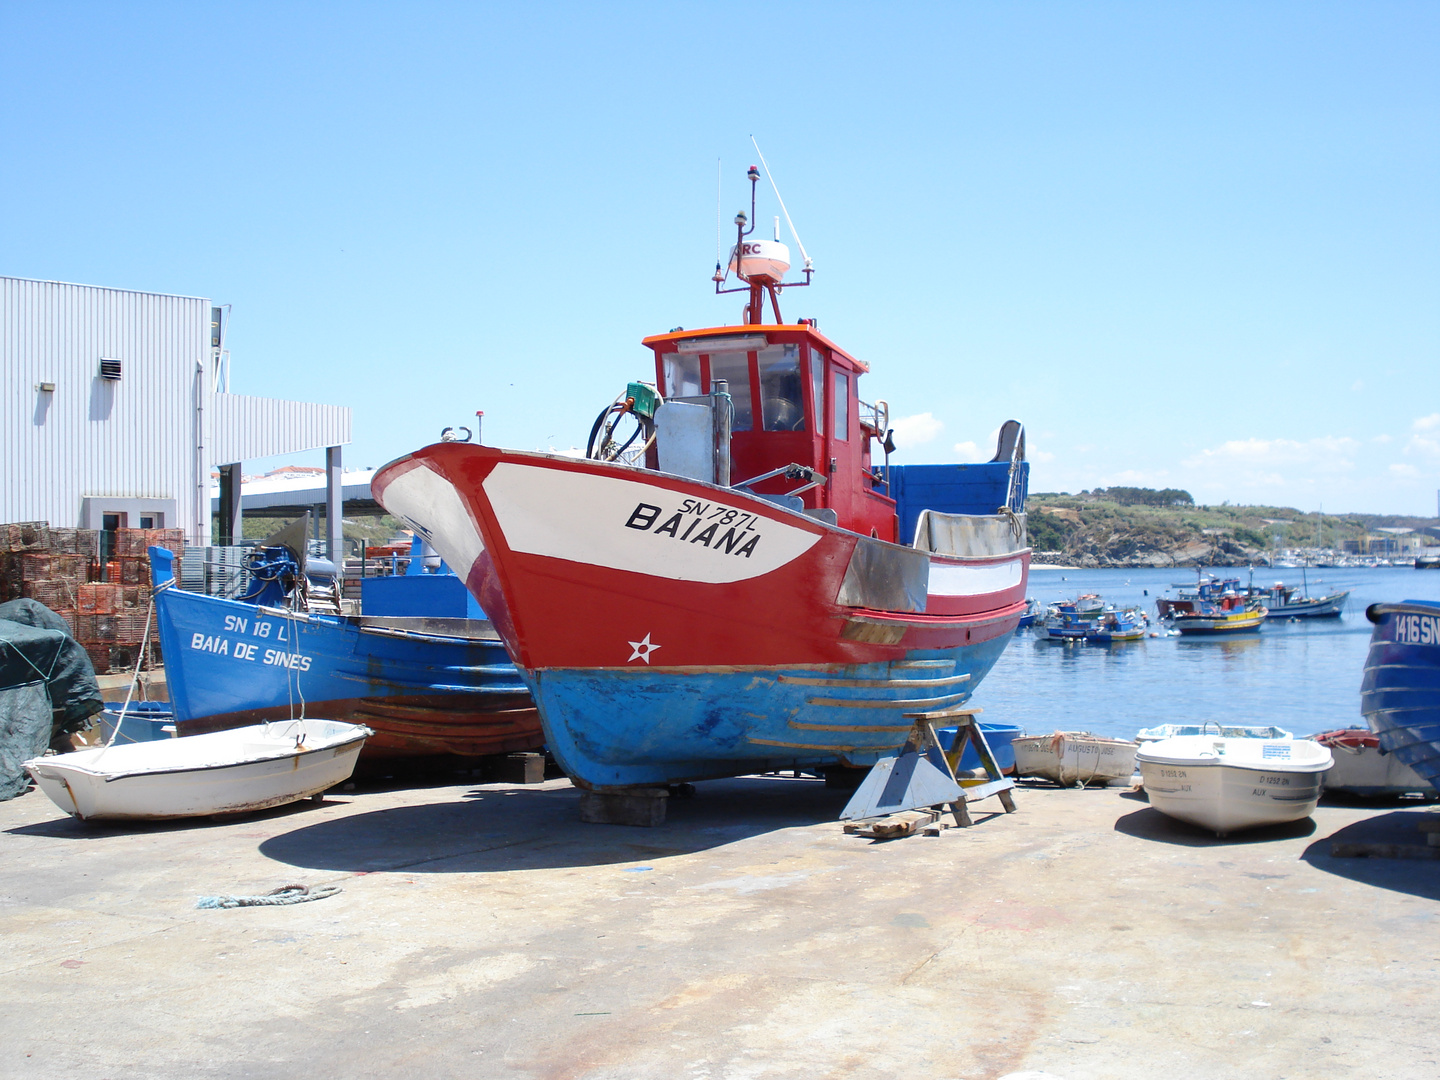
{"points": [[642, 648]]}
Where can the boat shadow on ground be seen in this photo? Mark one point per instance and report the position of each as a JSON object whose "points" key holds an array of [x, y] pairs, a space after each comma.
{"points": [[1418, 877], [500, 828], [1151, 824], [66, 827]]}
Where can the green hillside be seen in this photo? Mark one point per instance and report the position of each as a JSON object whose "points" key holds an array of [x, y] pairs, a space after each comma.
{"points": [[1124, 527]]}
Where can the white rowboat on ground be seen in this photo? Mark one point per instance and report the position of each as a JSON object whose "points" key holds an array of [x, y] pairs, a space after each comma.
{"points": [[1212, 727], [1365, 770], [224, 772], [1074, 757], [1226, 785]]}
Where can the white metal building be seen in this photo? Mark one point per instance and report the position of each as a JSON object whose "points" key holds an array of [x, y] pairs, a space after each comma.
{"points": [[115, 412]]}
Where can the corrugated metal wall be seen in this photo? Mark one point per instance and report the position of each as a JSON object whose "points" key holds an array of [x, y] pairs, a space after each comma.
{"points": [[92, 436], [253, 427], [132, 438]]}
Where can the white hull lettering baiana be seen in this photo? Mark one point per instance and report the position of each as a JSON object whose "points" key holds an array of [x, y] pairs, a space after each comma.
{"points": [[635, 526]]}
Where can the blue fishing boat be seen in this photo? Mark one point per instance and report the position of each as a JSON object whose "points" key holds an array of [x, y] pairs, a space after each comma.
{"points": [[1034, 613], [1118, 624], [1087, 619], [1400, 694], [426, 686]]}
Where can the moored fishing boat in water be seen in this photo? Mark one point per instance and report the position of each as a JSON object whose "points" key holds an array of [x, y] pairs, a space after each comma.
{"points": [[427, 687], [1100, 625], [674, 624], [1220, 618], [1283, 601], [1400, 693], [1214, 607], [1034, 613], [1226, 785]]}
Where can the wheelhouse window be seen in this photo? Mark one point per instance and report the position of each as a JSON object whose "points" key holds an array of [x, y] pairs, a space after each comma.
{"points": [[841, 389], [817, 386], [734, 367], [682, 375], [782, 401]]}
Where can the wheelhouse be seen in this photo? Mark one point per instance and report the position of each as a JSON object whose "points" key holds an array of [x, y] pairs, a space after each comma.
{"points": [[796, 401]]}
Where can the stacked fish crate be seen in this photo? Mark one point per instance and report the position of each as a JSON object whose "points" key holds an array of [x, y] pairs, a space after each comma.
{"points": [[46, 565], [104, 604]]}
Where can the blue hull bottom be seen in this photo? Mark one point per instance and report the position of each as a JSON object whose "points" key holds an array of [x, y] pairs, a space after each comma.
{"points": [[622, 727], [1400, 694]]}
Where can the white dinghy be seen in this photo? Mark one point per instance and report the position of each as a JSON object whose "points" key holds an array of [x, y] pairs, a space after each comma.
{"points": [[225, 772], [1212, 727], [1226, 785], [1074, 757]]}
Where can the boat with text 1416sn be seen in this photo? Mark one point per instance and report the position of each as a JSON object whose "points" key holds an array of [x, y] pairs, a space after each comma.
{"points": [[1400, 692], [721, 586]]}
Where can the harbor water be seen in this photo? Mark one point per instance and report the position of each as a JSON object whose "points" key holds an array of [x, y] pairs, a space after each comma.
{"points": [[1302, 675]]}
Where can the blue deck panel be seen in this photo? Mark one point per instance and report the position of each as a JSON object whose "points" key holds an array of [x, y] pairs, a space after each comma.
{"points": [[951, 489], [433, 596]]}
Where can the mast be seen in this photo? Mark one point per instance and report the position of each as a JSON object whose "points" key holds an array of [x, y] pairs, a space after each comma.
{"points": [[760, 264]]}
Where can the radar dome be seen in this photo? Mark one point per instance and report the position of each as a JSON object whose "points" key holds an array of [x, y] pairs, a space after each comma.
{"points": [[761, 260]]}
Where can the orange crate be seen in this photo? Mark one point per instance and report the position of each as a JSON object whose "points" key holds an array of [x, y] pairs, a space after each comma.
{"points": [[130, 543], [98, 598]]}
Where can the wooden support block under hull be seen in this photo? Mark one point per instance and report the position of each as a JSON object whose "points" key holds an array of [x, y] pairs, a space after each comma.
{"points": [[641, 806], [521, 768]]}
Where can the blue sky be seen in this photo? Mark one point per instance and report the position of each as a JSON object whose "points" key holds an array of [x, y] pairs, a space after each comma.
{"points": [[1192, 245]]}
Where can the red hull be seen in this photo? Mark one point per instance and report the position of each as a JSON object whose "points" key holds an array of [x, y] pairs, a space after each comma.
{"points": [[569, 561]]}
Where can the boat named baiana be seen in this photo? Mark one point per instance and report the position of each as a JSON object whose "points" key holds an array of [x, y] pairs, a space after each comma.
{"points": [[720, 587]]}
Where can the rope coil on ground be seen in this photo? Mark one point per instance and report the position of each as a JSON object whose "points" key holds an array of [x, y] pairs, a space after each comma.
{"points": [[286, 894]]}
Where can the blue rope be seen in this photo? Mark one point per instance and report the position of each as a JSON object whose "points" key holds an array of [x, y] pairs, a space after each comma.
{"points": [[286, 894]]}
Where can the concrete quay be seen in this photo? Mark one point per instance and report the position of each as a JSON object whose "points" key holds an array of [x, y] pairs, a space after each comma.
{"points": [[483, 931]]}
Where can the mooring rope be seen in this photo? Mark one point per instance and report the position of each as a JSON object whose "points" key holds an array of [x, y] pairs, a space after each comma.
{"points": [[286, 894]]}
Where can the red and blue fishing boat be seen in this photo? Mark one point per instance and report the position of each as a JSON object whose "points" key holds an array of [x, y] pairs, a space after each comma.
{"points": [[1400, 693], [726, 591]]}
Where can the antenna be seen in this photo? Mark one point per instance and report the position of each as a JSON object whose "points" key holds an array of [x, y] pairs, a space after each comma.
{"points": [[719, 226], [775, 188]]}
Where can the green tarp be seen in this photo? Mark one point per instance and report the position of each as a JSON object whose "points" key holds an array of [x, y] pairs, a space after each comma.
{"points": [[47, 687]]}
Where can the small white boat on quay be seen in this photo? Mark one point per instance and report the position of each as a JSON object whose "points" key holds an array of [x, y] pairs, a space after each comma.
{"points": [[1229, 784], [1212, 727], [1074, 757], [224, 772], [1363, 769]]}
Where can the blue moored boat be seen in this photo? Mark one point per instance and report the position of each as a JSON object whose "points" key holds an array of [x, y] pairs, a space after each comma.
{"points": [[1400, 695], [425, 686], [1088, 620]]}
